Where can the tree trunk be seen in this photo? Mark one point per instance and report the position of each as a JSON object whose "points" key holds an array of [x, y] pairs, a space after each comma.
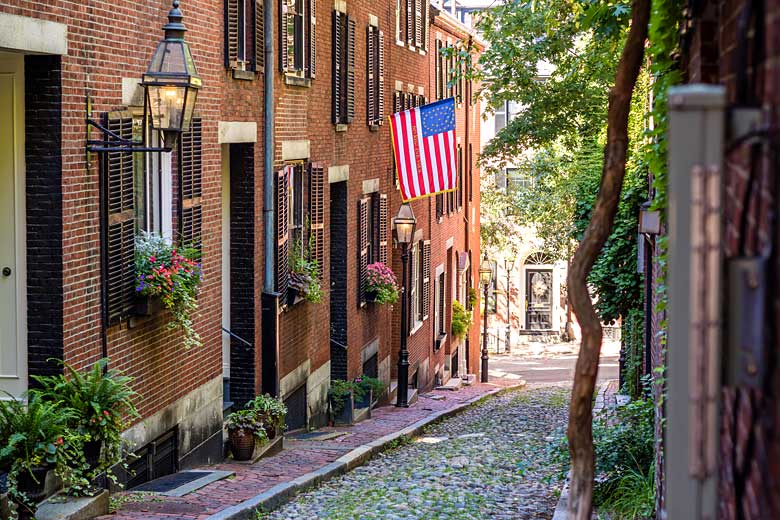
{"points": [[580, 430]]}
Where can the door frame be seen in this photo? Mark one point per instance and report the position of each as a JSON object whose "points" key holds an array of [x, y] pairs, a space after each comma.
{"points": [[20, 210]]}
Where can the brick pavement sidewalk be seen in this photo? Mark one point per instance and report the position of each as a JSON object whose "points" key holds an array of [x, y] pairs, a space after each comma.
{"points": [[281, 475]]}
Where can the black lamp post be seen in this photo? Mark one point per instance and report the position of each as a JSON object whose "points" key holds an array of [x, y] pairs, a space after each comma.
{"points": [[485, 276], [171, 86], [404, 224]]}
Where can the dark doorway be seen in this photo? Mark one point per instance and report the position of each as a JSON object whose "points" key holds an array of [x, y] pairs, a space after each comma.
{"points": [[338, 280]]}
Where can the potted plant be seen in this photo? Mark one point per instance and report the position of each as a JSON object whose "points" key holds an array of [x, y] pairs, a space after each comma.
{"points": [[171, 274], [472, 298], [38, 440], [342, 396], [101, 400], [244, 429], [304, 275], [270, 412], [373, 389], [381, 284], [461, 320]]}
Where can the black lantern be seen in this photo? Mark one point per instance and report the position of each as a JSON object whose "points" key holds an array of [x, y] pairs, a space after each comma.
{"points": [[171, 87], [486, 271], [404, 224], [172, 81]]}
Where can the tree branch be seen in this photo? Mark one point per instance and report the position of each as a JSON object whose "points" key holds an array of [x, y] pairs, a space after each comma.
{"points": [[580, 430]]}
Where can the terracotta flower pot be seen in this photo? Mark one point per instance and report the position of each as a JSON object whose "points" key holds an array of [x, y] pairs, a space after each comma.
{"points": [[242, 444]]}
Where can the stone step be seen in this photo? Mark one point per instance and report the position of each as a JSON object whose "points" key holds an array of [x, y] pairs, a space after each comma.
{"points": [[469, 379], [393, 392], [452, 385]]}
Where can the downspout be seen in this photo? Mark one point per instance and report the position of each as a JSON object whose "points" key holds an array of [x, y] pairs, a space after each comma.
{"points": [[270, 298]]}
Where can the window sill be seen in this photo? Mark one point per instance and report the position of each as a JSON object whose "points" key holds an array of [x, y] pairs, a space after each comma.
{"points": [[417, 326], [341, 127], [243, 75], [374, 127], [439, 342], [296, 81]]}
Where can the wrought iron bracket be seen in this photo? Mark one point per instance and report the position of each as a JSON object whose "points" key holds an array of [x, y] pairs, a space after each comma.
{"points": [[115, 143]]}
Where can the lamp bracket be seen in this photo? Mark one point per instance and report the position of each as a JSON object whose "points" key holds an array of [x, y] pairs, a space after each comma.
{"points": [[115, 143]]}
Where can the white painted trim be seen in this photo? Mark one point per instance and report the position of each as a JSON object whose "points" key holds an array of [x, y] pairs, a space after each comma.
{"points": [[26, 34], [237, 132]]}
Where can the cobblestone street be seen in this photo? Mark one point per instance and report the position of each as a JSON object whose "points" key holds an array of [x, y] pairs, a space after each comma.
{"points": [[487, 462]]}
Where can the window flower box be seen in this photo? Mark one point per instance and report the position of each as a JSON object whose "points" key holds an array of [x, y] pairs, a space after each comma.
{"points": [[381, 285]]}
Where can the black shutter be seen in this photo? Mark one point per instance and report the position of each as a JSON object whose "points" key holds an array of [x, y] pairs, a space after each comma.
{"points": [[460, 191], [363, 246], [438, 66], [119, 226], [426, 278], [471, 174], [286, 35], [397, 102], [231, 32], [282, 233], [317, 214], [380, 87], [259, 27], [418, 22], [383, 228], [190, 179], [425, 18], [312, 38], [338, 63], [439, 205], [350, 69]]}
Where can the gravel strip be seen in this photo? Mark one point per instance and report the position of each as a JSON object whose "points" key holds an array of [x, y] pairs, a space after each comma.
{"points": [[488, 462]]}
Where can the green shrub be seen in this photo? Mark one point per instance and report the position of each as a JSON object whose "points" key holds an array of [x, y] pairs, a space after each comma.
{"points": [[371, 383], [270, 411], [461, 320]]}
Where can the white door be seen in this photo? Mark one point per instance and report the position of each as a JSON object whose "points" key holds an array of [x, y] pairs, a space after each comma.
{"points": [[13, 350]]}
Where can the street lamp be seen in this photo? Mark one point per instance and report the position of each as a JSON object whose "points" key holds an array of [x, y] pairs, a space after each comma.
{"points": [[171, 86], [404, 224], [485, 276]]}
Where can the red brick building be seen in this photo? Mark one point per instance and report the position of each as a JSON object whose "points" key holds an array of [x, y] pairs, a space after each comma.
{"points": [[336, 69]]}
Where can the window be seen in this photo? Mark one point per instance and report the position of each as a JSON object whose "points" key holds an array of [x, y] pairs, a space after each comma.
{"points": [[414, 289], [343, 68], [506, 113], [411, 23], [372, 236], [459, 192], [298, 42], [406, 100], [518, 180], [244, 35], [439, 308], [299, 219], [137, 194], [375, 77], [448, 84]]}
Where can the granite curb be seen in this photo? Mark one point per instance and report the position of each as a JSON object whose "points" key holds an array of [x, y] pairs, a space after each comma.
{"points": [[284, 492]]}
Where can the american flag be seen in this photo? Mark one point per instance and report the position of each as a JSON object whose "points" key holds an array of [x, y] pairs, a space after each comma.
{"points": [[424, 147]]}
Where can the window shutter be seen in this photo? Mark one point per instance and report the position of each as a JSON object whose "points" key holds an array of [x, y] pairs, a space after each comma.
{"points": [[418, 22], [350, 69], [380, 88], [337, 66], [471, 174], [426, 279], [119, 209], [410, 22], [425, 23], [442, 313], [439, 86], [312, 38], [190, 180], [282, 232], [231, 32], [459, 193], [396, 102], [371, 76], [398, 20], [317, 214], [287, 35], [439, 205], [363, 245], [259, 61], [383, 228]]}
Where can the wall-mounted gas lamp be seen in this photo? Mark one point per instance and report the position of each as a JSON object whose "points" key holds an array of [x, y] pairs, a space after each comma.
{"points": [[170, 86]]}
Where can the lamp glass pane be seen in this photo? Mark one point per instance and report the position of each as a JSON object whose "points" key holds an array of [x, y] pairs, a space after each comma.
{"points": [[169, 58], [166, 106], [189, 108]]}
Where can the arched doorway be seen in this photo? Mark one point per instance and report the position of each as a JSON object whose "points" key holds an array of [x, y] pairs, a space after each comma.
{"points": [[539, 292]]}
